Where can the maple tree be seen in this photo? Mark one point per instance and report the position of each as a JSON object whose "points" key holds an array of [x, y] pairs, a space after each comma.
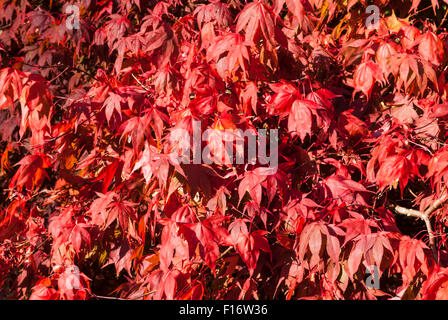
{"points": [[93, 205]]}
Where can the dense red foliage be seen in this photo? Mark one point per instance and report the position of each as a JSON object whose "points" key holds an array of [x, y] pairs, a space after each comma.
{"points": [[92, 204]]}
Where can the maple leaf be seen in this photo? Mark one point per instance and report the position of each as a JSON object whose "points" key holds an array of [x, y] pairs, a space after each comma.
{"points": [[257, 18], [431, 48], [365, 76], [115, 28], [251, 183], [175, 248], [132, 43], [153, 162], [206, 235], [248, 245], [42, 292], [196, 292], [230, 53], [298, 10], [108, 208], [413, 73], [36, 104], [346, 190], [412, 258], [136, 128], [438, 168], [249, 97], [436, 286], [217, 141], [160, 43], [384, 55], [410, 36], [80, 235], [355, 227], [415, 4], [213, 12], [206, 104], [107, 174], [111, 104], [285, 95], [396, 169], [169, 284], [120, 256], [11, 86], [405, 111], [166, 79], [300, 121], [351, 126], [438, 110], [123, 212], [313, 236], [370, 247], [298, 211], [323, 98], [219, 200], [155, 16], [31, 172]]}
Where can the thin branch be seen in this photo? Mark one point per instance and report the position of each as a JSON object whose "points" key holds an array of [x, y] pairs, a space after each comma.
{"points": [[58, 65], [436, 204], [425, 218], [117, 298], [419, 11], [444, 18], [59, 75], [141, 84], [224, 253], [67, 132], [421, 146], [61, 65], [106, 298], [34, 251], [6, 26]]}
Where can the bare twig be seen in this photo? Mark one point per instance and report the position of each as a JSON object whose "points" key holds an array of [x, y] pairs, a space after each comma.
{"points": [[419, 11], [67, 132], [224, 253], [436, 204], [425, 217], [421, 146], [106, 298], [34, 251], [59, 75], [444, 17], [117, 298], [141, 84]]}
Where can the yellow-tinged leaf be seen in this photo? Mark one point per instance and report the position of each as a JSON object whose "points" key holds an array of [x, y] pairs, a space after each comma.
{"points": [[394, 24]]}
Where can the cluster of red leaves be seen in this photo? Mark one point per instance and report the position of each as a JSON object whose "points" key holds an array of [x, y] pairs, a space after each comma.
{"points": [[88, 184]]}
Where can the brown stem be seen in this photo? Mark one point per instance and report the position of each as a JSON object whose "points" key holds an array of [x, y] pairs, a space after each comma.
{"points": [[444, 17], [117, 298], [425, 217], [436, 204], [420, 215], [141, 84]]}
